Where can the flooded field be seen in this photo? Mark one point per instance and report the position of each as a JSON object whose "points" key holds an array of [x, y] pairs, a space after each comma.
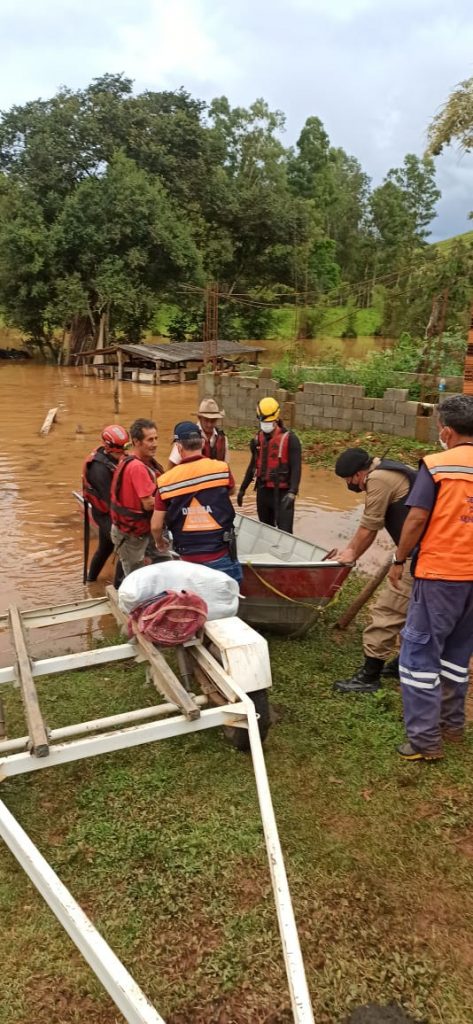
{"points": [[41, 560]]}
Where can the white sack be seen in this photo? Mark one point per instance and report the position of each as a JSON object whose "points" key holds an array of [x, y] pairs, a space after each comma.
{"points": [[217, 589]]}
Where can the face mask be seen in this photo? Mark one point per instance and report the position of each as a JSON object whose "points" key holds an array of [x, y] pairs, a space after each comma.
{"points": [[443, 444], [355, 488], [267, 428]]}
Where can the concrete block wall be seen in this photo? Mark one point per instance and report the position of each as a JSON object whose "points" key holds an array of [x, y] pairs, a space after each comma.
{"points": [[323, 406]]}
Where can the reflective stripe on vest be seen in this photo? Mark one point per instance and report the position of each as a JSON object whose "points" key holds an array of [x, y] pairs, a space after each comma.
{"points": [[199, 512], [272, 458], [446, 549], [99, 502]]}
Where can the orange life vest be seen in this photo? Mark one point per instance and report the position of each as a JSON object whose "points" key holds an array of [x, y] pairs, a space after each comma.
{"points": [[199, 512], [446, 549], [272, 458]]}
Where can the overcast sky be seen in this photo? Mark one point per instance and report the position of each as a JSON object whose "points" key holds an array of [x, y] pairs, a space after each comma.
{"points": [[374, 71]]}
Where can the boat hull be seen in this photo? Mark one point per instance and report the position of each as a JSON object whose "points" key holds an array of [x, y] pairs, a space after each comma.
{"points": [[287, 599]]}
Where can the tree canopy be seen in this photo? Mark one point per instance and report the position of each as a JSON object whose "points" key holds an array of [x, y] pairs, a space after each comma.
{"points": [[112, 203]]}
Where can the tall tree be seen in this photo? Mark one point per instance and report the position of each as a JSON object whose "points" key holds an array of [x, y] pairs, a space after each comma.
{"points": [[454, 122]]}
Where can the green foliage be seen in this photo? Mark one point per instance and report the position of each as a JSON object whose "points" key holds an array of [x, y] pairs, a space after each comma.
{"points": [[454, 122]]}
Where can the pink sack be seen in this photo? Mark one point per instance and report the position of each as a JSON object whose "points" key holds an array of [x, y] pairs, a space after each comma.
{"points": [[169, 619]]}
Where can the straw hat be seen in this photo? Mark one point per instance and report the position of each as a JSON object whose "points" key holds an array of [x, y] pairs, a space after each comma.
{"points": [[209, 408]]}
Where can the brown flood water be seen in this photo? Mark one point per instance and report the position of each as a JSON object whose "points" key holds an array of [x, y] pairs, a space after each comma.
{"points": [[41, 558]]}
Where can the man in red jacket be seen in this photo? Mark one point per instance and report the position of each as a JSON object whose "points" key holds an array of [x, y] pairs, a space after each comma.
{"points": [[132, 497]]}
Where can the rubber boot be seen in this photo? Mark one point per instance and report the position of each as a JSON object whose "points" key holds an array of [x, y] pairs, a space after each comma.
{"points": [[366, 679], [391, 669]]}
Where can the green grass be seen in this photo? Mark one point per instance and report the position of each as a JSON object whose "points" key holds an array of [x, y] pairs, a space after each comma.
{"points": [[163, 848], [333, 325], [447, 243], [321, 447]]}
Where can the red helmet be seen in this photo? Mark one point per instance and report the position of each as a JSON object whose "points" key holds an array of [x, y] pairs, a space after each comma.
{"points": [[115, 436]]}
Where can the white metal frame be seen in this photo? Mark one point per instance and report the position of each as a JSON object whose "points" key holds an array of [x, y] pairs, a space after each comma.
{"points": [[105, 735]]}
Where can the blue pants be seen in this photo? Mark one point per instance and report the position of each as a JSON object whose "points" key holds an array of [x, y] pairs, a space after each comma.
{"points": [[229, 565], [437, 643]]}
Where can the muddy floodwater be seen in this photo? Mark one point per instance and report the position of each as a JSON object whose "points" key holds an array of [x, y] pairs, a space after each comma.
{"points": [[41, 546]]}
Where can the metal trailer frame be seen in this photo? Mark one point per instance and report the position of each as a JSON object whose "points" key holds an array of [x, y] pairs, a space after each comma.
{"points": [[42, 748]]}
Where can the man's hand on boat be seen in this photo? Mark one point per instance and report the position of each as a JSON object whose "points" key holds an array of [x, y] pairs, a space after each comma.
{"points": [[347, 556]]}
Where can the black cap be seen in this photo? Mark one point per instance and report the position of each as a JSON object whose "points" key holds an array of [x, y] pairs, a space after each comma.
{"points": [[186, 431], [351, 461]]}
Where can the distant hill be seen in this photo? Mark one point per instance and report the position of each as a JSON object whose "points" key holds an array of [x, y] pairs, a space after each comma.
{"points": [[467, 236]]}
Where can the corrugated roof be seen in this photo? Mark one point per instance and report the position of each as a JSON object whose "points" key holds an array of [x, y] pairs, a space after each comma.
{"points": [[186, 351]]}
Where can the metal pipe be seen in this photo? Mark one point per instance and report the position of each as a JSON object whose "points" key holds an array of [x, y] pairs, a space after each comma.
{"points": [[128, 717], [119, 984]]}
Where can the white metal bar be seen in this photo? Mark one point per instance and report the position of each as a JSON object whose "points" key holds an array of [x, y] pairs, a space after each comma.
{"points": [[119, 984], [18, 764], [50, 616], [68, 662], [94, 725]]}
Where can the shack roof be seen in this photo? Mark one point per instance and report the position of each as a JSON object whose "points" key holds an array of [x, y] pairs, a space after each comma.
{"points": [[186, 351]]}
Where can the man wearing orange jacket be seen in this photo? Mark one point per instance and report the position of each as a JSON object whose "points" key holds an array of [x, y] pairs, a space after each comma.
{"points": [[437, 640]]}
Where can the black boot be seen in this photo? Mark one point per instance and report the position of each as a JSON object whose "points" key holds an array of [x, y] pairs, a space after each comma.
{"points": [[391, 669], [366, 679]]}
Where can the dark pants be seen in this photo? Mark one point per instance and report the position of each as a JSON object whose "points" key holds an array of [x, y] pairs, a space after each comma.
{"points": [[271, 510], [437, 643], [103, 551]]}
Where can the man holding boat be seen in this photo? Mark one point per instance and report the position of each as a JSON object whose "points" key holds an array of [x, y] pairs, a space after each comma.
{"points": [[386, 485]]}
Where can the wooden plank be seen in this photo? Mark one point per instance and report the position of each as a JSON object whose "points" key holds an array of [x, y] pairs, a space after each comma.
{"points": [[34, 718], [49, 421], [162, 675]]}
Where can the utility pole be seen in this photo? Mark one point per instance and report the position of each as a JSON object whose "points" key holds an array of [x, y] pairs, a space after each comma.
{"points": [[211, 324], [468, 371]]}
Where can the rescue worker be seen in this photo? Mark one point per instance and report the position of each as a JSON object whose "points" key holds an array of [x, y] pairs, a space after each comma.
{"points": [[275, 466], [215, 443], [386, 485], [132, 496], [193, 499], [437, 640], [97, 473]]}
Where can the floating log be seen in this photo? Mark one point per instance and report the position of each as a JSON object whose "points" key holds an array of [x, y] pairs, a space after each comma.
{"points": [[49, 421]]}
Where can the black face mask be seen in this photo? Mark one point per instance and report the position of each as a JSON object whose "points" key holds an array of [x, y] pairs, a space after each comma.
{"points": [[354, 487]]}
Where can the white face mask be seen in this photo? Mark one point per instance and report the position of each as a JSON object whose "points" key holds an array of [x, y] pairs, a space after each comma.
{"points": [[267, 428], [443, 444]]}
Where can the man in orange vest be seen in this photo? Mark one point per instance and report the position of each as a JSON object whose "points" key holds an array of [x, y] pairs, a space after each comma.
{"points": [[437, 640], [275, 466], [193, 499]]}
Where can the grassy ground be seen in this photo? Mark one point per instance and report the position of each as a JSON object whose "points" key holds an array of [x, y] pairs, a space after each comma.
{"points": [[163, 848], [321, 447], [447, 243]]}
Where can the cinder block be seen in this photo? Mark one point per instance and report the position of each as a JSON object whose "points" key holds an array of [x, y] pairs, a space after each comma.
{"points": [[408, 408], [357, 425], [300, 398], [368, 403], [396, 394], [355, 390], [281, 395], [367, 416], [312, 387], [341, 402], [405, 432], [359, 403], [397, 420], [378, 404], [378, 416], [388, 405]]}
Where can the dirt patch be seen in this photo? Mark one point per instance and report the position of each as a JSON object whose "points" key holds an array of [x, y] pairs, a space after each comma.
{"points": [[442, 916], [372, 1014]]}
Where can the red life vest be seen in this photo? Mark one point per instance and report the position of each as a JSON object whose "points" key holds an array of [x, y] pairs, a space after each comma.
{"points": [[272, 458], [123, 517], [217, 451], [99, 502]]}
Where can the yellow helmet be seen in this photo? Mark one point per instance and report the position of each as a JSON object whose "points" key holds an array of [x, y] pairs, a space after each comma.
{"points": [[268, 410]]}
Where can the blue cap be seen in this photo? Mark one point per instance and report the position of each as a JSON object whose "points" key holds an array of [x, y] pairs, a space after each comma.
{"points": [[186, 431]]}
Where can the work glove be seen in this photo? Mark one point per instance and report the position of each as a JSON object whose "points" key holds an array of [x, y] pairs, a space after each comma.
{"points": [[288, 500], [240, 496]]}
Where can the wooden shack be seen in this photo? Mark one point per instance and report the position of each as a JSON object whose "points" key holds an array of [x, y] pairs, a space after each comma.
{"points": [[158, 364]]}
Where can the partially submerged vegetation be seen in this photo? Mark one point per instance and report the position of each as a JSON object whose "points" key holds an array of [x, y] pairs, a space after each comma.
{"points": [[163, 848], [321, 447]]}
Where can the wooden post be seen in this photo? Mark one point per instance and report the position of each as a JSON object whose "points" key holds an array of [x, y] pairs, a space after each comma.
{"points": [[120, 364], [468, 372], [48, 421], [363, 597], [34, 719]]}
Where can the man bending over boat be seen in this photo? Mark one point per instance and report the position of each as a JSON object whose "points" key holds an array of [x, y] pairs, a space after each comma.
{"points": [[276, 463], [194, 500], [386, 485]]}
